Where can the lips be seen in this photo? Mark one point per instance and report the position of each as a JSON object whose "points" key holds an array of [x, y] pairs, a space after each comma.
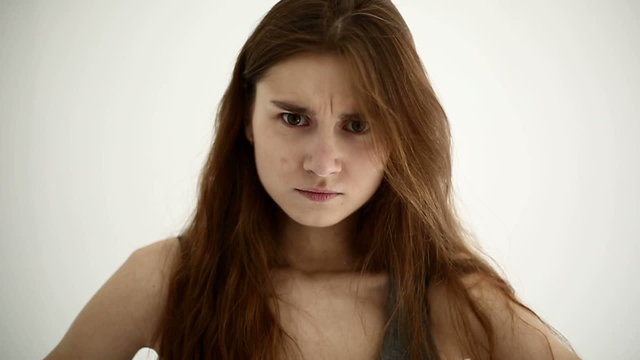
{"points": [[318, 196], [320, 191]]}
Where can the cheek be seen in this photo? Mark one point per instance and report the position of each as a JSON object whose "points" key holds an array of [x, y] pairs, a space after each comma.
{"points": [[369, 160], [288, 164], [372, 168], [366, 168], [273, 158]]}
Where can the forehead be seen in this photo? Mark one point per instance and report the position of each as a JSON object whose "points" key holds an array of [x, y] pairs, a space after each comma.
{"points": [[310, 77]]}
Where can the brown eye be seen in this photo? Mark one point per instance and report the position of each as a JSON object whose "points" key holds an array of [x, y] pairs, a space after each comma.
{"points": [[360, 126], [291, 119]]}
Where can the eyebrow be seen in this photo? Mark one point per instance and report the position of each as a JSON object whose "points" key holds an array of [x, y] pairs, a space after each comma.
{"points": [[288, 106]]}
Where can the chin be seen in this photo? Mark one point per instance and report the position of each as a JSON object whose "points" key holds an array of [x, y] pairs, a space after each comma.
{"points": [[315, 220]]}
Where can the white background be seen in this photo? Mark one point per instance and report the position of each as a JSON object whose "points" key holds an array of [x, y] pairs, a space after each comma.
{"points": [[106, 115]]}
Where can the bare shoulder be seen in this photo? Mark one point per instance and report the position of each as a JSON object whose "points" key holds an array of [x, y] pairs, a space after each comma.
{"points": [[517, 332], [157, 258], [119, 319]]}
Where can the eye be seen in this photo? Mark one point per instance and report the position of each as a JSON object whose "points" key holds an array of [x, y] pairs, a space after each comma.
{"points": [[361, 126], [291, 119]]}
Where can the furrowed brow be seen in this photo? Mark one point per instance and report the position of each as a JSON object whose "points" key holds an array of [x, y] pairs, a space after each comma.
{"points": [[289, 106]]}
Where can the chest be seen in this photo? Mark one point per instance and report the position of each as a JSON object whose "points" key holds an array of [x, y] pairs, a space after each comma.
{"points": [[333, 319]]}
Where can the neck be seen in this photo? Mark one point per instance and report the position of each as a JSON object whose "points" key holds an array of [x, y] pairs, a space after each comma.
{"points": [[317, 249]]}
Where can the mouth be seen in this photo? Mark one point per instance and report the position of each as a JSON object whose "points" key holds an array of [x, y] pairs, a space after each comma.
{"points": [[320, 191], [318, 196]]}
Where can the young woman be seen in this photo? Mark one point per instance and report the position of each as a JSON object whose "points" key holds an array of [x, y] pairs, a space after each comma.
{"points": [[325, 227]]}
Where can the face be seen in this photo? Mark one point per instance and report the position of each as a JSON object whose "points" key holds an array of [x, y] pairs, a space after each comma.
{"points": [[307, 134]]}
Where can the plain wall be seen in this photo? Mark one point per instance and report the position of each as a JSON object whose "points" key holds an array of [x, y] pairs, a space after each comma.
{"points": [[106, 116]]}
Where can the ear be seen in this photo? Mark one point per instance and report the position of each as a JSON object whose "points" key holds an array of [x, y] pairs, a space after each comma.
{"points": [[248, 131], [248, 120]]}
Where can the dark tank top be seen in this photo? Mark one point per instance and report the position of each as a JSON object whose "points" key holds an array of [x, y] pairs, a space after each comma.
{"points": [[393, 347]]}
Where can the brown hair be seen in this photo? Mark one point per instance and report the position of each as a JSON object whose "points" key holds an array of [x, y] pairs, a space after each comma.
{"points": [[218, 303]]}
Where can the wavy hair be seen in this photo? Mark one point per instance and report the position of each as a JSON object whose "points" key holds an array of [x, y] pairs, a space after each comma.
{"points": [[221, 299]]}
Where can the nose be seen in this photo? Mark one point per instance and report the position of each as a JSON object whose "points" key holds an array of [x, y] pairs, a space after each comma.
{"points": [[323, 157]]}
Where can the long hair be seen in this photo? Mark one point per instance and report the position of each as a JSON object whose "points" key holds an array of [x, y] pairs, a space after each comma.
{"points": [[220, 302]]}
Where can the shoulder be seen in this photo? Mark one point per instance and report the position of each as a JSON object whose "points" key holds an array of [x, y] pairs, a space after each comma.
{"points": [[517, 332], [156, 259], [145, 276], [119, 319], [147, 271]]}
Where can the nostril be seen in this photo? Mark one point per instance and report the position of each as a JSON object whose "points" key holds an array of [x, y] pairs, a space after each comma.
{"points": [[322, 173]]}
